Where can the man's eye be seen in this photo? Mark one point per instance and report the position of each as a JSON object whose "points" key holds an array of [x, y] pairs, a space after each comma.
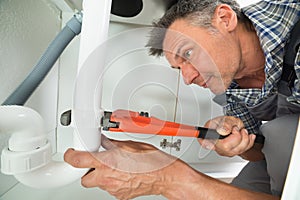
{"points": [[188, 53]]}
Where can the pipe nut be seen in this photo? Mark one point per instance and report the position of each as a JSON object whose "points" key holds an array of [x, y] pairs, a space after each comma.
{"points": [[13, 162]]}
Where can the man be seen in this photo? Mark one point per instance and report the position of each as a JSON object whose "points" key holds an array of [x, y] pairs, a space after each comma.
{"points": [[232, 52]]}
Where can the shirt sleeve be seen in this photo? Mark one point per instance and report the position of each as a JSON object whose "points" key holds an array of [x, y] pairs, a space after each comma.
{"points": [[240, 111], [295, 98]]}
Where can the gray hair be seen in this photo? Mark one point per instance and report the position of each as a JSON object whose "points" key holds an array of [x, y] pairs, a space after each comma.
{"points": [[196, 12]]}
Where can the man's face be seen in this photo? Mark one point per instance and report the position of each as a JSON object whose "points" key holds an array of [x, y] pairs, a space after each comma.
{"points": [[208, 59]]}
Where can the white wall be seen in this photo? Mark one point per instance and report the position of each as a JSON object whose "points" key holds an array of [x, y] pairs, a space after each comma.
{"points": [[26, 29]]}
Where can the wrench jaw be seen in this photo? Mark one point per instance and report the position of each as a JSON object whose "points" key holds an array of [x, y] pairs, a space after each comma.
{"points": [[106, 123]]}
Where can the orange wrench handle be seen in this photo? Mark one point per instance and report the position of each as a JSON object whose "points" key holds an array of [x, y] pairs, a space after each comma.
{"points": [[133, 122]]}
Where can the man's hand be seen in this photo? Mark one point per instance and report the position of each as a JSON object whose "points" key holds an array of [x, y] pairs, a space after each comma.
{"points": [[238, 140], [126, 170], [131, 169]]}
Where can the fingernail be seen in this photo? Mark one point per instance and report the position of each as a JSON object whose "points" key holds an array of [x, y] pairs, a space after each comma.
{"points": [[236, 128], [222, 131]]}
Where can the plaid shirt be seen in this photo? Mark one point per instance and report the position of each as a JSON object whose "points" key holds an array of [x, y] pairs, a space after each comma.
{"points": [[273, 21]]}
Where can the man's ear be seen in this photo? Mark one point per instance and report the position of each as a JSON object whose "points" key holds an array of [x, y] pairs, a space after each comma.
{"points": [[225, 18]]}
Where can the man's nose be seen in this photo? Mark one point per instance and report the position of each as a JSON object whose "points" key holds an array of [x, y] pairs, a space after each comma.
{"points": [[189, 73]]}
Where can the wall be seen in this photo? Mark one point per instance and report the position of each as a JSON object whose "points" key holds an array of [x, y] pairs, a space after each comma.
{"points": [[26, 29]]}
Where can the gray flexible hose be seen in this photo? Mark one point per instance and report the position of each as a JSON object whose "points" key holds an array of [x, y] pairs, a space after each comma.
{"points": [[46, 62]]}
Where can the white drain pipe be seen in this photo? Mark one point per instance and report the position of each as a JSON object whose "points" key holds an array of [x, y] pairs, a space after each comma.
{"points": [[87, 110], [28, 156]]}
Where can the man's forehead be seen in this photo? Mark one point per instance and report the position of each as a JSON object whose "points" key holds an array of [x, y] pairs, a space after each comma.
{"points": [[171, 39], [175, 34], [179, 31]]}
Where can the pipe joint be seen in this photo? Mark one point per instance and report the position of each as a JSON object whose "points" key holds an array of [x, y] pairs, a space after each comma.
{"points": [[28, 148], [75, 23], [13, 163]]}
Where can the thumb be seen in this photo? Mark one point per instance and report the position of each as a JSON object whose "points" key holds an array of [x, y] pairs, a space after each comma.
{"points": [[223, 131]]}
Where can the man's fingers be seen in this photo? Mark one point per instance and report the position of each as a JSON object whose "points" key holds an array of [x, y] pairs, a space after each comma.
{"points": [[252, 140], [107, 143], [207, 144], [80, 159], [245, 141], [89, 180], [225, 125]]}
